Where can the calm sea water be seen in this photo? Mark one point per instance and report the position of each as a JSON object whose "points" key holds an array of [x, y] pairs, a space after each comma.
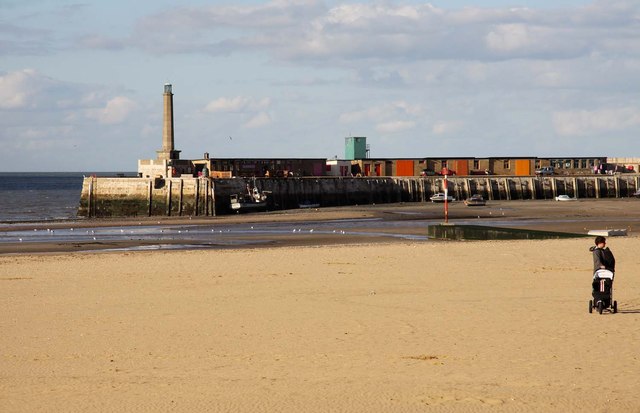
{"points": [[41, 196]]}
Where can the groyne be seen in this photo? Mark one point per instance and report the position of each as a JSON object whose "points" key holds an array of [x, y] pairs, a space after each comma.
{"points": [[187, 196]]}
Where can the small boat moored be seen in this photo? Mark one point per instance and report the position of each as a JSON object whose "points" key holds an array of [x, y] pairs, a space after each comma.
{"points": [[251, 200]]}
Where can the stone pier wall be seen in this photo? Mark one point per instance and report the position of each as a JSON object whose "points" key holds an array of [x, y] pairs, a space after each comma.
{"points": [[127, 197]]}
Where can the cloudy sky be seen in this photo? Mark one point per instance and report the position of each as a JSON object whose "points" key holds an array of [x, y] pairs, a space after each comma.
{"points": [[81, 81]]}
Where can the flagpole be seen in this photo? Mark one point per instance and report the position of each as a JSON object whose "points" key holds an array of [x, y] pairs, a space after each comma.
{"points": [[446, 201]]}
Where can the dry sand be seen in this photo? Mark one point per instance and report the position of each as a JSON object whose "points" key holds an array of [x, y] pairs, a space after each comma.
{"points": [[385, 327]]}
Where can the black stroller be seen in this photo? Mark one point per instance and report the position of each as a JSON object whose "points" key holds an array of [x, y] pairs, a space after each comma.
{"points": [[603, 292]]}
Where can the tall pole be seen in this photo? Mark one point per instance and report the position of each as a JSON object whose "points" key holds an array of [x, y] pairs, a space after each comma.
{"points": [[167, 127], [446, 200], [168, 151]]}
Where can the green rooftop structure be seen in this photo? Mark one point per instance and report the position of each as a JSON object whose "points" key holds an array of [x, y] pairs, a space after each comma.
{"points": [[355, 147]]}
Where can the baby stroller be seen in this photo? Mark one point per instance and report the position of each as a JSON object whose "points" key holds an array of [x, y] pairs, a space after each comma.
{"points": [[603, 292]]}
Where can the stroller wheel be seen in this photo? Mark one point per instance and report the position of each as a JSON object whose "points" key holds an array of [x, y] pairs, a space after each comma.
{"points": [[615, 307], [600, 307], [590, 306]]}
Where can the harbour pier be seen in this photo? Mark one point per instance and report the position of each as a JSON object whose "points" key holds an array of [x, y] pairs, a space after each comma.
{"points": [[204, 196]]}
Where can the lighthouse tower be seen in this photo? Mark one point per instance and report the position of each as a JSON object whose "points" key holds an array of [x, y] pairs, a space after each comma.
{"points": [[168, 151]]}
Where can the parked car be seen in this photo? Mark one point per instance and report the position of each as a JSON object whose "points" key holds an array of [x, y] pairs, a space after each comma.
{"points": [[565, 198], [545, 170], [475, 200], [439, 197], [428, 172]]}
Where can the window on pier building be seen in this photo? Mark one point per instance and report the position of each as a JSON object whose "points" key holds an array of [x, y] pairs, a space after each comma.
{"points": [[567, 163], [476, 164], [576, 164], [538, 164], [583, 163], [444, 163], [506, 164], [592, 163]]}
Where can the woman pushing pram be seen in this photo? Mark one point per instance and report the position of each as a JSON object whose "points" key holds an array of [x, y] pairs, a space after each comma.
{"points": [[604, 269]]}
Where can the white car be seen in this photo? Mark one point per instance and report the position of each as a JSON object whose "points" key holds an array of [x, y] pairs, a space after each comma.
{"points": [[439, 197], [564, 198]]}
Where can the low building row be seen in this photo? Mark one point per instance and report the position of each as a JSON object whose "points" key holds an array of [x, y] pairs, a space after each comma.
{"points": [[372, 167]]}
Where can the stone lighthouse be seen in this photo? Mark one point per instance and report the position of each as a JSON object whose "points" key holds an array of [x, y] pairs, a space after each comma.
{"points": [[168, 151]]}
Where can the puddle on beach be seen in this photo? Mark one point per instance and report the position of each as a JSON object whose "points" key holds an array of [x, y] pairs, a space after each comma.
{"points": [[481, 233]]}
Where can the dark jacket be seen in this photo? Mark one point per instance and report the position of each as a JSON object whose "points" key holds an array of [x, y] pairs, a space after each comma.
{"points": [[603, 257]]}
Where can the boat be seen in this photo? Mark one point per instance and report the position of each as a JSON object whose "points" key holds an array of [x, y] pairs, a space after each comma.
{"points": [[440, 197], [475, 200], [251, 200]]}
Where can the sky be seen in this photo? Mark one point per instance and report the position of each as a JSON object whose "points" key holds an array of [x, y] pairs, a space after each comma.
{"points": [[81, 82]]}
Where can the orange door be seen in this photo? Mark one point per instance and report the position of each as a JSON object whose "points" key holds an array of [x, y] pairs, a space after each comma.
{"points": [[523, 167], [462, 167], [404, 168]]}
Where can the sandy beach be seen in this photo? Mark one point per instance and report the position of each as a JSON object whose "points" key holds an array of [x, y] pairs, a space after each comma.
{"points": [[360, 326]]}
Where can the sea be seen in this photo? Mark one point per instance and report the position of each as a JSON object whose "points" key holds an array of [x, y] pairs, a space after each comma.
{"points": [[42, 196]]}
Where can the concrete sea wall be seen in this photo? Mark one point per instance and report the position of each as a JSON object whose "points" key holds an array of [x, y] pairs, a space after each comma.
{"points": [[128, 197]]}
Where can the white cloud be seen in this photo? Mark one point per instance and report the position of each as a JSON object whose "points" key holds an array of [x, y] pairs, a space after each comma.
{"points": [[387, 111], [259, 120], [395, 126], [237, 104], [309, 30], [21, 89], [509, 37], [115, 111], [446, 127], [585, 122]]}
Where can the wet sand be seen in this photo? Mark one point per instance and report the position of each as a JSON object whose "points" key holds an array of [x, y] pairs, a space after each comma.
{"points": [[393, 219], [361, 327]]}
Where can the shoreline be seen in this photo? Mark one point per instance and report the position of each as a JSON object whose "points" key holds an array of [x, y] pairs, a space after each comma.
{"points": [[360, 224]]}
